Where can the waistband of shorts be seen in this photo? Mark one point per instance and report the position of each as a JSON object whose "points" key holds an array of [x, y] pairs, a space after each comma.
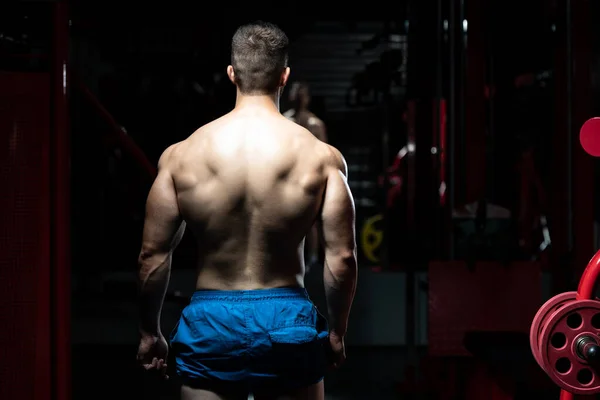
{"points": [[290, 293]]}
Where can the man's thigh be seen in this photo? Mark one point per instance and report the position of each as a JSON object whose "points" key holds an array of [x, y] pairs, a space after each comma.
{"points": [[312, 392], [189, 393]]}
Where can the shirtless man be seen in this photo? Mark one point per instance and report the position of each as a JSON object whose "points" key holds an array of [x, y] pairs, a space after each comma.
{"points": [[250, 185], [299, 97]]}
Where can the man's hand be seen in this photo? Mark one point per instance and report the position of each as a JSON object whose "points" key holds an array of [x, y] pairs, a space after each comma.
{"points": [[152, 354], [338, 350]]}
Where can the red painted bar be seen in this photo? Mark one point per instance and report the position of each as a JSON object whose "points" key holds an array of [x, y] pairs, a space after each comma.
{"points": [[116, 132], [25, 215]]}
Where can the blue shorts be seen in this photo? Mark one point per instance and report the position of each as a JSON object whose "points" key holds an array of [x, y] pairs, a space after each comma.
{"points": [[251, 341]]}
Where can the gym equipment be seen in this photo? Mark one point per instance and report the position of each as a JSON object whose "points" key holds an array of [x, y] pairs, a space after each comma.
{"points": [[565, 342], [565, 336], [565, 332], [589, 137], [539, 321]]}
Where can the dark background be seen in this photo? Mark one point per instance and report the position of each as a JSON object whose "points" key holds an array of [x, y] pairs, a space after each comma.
{"points": [[486, 97]]}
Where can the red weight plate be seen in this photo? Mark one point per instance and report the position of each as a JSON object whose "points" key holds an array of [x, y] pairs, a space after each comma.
{"points": [[559, 357], [589, 136], [541, 317]]}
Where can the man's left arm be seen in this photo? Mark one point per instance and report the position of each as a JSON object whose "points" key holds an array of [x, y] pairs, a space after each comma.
{"points": [[163, 230]]}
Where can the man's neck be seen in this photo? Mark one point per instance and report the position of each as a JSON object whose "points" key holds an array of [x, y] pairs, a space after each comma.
{"points": [[264, 101]]}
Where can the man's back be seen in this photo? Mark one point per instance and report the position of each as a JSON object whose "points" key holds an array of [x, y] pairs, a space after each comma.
{"points": [[250, 185]]}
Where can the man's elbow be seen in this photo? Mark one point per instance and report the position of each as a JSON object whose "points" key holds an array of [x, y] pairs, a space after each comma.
{"points": [[151, 259], [341, 268], [152, 250], [346, 257], [348, 254], [147, 253]]}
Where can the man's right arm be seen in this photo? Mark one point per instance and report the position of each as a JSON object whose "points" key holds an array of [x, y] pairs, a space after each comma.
{"points": [[337, 223]]}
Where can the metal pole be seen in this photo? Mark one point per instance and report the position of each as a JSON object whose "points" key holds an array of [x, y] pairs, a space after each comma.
{"points": [[569, 72], [462, 71], [385, 253], [61, 208], [452, 123], [436, 129], [491, 142]]}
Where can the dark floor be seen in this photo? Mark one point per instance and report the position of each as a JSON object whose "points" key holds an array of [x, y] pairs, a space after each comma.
{"points": [[109, 372]]}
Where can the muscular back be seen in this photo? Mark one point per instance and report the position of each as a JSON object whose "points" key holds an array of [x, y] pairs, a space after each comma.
{"points": [[250, 185]]}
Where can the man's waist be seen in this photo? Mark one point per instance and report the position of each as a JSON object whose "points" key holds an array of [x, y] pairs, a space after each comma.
{"points": [[212, 277], [286, 292]]}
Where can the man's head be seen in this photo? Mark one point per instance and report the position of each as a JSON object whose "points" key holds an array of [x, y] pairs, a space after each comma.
{"points": [[299, 95], [259, 58]]}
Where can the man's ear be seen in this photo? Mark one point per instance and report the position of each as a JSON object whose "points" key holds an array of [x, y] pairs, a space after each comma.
{"points": [[231, 73], [284, 77]]}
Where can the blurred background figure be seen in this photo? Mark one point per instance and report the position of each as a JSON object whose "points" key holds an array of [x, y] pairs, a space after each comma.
{"points": [[299, 112], [299, 98]]}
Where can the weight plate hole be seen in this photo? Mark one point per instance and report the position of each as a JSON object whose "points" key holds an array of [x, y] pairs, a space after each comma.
{"points": [[596, 321], [574, 321], [558, 340], [563, 365], [585, 376]]}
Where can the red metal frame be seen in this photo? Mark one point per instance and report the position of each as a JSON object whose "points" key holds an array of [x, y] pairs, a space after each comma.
{"points": [[585, 291], [60, 168], [116, 131], [587, 284], [60, 172], [25, 214]]}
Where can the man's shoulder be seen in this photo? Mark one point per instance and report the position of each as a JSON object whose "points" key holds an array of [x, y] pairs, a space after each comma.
{"points": [[333, 158], [168, 155], [204, 131], [176, 151]]}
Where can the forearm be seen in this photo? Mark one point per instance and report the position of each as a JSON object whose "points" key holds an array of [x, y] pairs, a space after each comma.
{"points": [[154, 273], [340, 275]]}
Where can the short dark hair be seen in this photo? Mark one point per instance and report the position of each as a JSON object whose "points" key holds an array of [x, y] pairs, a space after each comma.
{"points": [[259, 54]]}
